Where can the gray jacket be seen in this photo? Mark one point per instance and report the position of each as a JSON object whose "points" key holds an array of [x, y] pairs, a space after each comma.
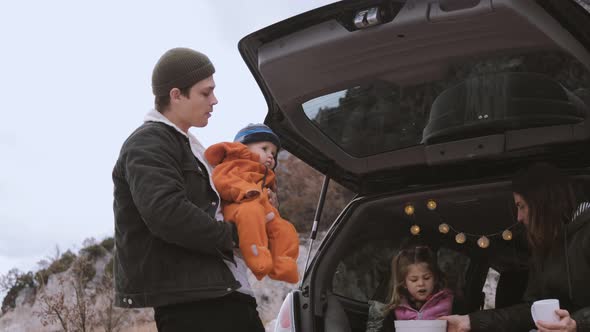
{"points": [[169, 247]]}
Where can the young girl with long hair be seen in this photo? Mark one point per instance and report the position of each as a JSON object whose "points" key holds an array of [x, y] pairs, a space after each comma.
{"points": [[417, 288]]}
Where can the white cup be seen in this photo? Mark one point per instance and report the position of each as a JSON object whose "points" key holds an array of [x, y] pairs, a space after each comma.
{"points": [[545, 310]]}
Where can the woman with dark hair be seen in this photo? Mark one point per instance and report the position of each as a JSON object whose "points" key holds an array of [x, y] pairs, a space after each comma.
{"points": [[558, 231]]}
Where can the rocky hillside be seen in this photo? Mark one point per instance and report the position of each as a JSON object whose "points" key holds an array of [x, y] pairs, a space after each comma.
{"points": [[80, 296]]}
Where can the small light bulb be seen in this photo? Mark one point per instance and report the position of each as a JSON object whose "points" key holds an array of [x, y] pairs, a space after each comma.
{"points": [[443, 228], [507, 235], [431, 204], [460, 238], [483, 242], [409, 209], [415, 229]]}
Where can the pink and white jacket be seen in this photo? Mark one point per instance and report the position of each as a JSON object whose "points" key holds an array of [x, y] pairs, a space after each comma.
{"points": [[439, 304]]}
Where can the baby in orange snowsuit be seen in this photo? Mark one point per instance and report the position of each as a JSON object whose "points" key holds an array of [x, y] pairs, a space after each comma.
{"points": [[243, 170]]}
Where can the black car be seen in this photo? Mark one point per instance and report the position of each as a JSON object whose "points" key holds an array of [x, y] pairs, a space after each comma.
{"points": [[425, 110]]}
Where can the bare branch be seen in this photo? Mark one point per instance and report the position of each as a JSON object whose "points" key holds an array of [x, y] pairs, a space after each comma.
{"points": [[9, 280]]}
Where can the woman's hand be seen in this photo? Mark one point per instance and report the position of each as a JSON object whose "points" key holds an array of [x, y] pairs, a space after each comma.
{"points": [[457, 323], [566, 323]]}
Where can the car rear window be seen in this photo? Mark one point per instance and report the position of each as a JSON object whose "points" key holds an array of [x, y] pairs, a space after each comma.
{"points": [[365, 274], [382, 116]]}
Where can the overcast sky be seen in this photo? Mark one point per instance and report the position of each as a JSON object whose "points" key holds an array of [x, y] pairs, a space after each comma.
{"points": [[75, 81]]}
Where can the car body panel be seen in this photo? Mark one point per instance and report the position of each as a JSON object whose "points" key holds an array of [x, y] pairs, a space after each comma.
{"points": [[316, 53]]}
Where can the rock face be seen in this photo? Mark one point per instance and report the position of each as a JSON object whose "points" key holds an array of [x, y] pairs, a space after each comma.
{"points": [[25, 317], [60, 291]]}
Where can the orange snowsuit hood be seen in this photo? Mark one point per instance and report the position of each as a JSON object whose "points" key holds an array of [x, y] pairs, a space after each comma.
{"points": [[237, 171]]}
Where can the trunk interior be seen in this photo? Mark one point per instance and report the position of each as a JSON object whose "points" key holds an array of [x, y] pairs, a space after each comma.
{"points": [[352, 270]]}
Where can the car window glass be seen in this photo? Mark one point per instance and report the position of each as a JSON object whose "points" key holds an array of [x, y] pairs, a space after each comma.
{"points": [[361, 272], [454, 265], [365, 273], [382, 116]]}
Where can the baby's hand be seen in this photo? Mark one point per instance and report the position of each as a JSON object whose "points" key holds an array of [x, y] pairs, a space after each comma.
{"points": [[272, 198]]}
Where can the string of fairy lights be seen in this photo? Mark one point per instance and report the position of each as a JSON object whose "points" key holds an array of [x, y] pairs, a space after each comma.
{"points": [[483, 240]]}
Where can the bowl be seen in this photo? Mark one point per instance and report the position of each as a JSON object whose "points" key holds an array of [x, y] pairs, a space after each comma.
{"points": [[420, 325]]}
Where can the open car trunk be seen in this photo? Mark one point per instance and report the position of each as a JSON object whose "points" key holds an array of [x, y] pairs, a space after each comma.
{"points": [[352, 269], [403, 102], [432, 90]]}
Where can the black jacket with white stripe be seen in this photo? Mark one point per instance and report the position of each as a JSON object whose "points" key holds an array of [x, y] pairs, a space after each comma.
{"points": [[563, 275]]}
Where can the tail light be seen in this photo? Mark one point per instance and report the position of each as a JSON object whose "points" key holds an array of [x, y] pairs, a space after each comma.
{"points": [[285, 321]]}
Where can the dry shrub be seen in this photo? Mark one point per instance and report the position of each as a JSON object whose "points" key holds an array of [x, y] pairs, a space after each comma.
{"points": [[299, 189]]}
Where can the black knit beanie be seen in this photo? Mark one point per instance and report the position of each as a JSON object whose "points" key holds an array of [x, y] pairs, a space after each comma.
{"points": [[257, 132], [180, 68]]}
